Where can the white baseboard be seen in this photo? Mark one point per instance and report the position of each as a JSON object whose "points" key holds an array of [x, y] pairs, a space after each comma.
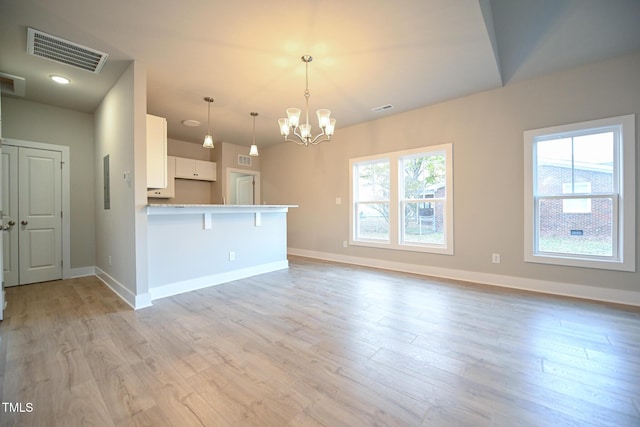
{"points": [[214, 279], [135, 301], [548, 287], [81, 272]]}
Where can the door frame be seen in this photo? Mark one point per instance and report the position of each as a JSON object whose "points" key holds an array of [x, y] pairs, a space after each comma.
{"points": [[230, 184], [66, 193]]}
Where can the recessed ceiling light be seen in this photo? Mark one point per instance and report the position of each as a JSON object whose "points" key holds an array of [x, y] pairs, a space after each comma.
{"points": [[191, 123], [60, 80]]}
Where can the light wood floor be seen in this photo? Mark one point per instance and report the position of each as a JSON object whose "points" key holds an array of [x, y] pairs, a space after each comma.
{"points": [[319, 344]]}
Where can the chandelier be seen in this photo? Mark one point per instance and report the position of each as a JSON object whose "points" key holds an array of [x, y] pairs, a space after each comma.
{"points": [[208, 139], [303, 131]]}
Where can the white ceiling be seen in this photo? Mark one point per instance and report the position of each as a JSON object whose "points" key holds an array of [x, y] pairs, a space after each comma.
{"points": [[367, 53]]}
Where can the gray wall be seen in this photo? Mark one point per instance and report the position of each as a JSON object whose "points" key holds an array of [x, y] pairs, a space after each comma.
{"points": [[31, 121], [486, 130], [120, 129]]}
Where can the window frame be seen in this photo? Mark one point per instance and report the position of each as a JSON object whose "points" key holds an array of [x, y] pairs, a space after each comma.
{"points": [[622, 195], [397, 201]]}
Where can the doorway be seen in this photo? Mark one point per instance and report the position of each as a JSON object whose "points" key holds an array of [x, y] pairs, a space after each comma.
{"points": [[243, 187], [33, 204]]}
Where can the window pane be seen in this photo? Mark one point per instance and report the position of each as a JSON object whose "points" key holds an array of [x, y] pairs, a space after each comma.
{"points": [[576, 205], [373, 181], [566, 165], [576, 233], [423, 223], [424, 176], [593, 161], [553, 166], [372, 221]]}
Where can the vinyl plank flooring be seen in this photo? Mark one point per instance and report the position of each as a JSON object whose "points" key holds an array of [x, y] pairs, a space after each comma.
{"points": [[319, 345]]}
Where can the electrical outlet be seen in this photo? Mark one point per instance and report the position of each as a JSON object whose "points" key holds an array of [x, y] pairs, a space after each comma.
{"points": [[495, 258], [338, 201], [232, 256], [109, 259], [345, 244]]}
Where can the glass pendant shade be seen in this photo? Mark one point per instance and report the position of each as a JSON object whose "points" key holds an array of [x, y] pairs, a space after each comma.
{"points": [[208, 141], [293, 114], [323, 118], [253, 151], [284, 127], [305, 131], [330, 127]]}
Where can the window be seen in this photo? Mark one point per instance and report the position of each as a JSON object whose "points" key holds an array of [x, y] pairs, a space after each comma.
{"points": [[423, 198], [403, 200], [580, 194], [372, 203]]}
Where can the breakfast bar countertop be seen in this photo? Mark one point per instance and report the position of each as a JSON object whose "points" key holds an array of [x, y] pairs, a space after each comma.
{"points": [[166, 209]]}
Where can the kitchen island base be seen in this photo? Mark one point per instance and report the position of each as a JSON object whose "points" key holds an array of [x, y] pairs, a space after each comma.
{"points": [[196, 246]]}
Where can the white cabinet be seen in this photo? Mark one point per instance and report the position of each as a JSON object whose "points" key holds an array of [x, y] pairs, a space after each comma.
{"points": [[170, 190], [156, 152], [195, 169]]}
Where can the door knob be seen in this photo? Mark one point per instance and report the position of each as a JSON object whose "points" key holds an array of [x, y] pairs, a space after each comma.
{"points": [[9, 226], [24, 222]]}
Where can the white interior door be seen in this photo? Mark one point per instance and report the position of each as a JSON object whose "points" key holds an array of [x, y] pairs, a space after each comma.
{"points": [[245, 190], [1, 244], [10, 215], [40, 215], [2, 303]]}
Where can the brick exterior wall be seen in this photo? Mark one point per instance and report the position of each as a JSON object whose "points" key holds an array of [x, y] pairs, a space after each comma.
{"points": [[554, 221]]}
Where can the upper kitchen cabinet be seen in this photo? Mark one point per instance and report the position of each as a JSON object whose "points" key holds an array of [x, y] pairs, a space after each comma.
{"points": [[170, 191], [156, 152], [195, 169]]}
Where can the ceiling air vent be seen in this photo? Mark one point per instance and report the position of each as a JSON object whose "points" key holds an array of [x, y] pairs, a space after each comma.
{"points": [[12, 85], [382, 108], [244, 160], [65, 52]]}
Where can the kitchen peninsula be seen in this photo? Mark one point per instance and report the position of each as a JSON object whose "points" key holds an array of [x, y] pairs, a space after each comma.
{"points": [[196, 246]]}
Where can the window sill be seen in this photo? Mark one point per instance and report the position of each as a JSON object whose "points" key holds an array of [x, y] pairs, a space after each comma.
{"points": [[601, 264], [441, 250]]}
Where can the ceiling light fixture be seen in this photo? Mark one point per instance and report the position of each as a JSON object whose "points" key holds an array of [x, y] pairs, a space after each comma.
{"points": [[208, 139], [191, 123], [303, 131], [60, 80], [253, 151]]}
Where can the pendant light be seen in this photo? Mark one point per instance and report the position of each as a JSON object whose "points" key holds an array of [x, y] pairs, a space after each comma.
{"points": [[208, 139], [253, 151]]}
